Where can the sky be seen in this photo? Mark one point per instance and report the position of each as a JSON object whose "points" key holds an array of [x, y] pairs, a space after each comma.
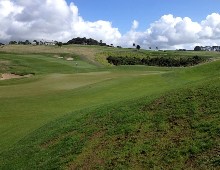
{"points": [[166, 24]]}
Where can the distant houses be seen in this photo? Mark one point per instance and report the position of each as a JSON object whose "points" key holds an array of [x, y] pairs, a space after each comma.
{"points": [[50, 43], [207, 48], [45, 42]]}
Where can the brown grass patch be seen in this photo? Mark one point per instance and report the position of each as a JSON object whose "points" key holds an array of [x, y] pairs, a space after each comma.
{"points": [[8, 76], [56, 140], [89, 157]]}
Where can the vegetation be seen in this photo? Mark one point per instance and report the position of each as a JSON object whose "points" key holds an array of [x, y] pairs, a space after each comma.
{"points": [[163, 62], [197, 48], [85, 41], [59, 44], [89, 116], [138, 47], [178, 130], [166, 57]]}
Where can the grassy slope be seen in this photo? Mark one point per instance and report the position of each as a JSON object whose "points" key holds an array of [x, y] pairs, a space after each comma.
{"points": [[35, 106], [33, 111], [58, 87], [172, 130]]}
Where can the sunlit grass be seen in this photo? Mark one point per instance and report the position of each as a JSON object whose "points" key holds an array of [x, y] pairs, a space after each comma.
{"points": [[85, 115]]}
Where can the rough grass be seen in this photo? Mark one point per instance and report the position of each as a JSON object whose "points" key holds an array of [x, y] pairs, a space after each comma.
{"points": [[86, 53], [42, 64]]}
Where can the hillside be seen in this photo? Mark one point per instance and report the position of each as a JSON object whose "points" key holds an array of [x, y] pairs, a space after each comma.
{"points": [[90, 116]]}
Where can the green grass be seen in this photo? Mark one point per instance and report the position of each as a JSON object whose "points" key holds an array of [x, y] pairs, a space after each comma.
{"points": [[41, 101], [178, 130], [42, 64], [91, 116]]}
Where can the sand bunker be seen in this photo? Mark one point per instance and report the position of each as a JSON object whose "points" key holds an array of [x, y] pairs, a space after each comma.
{"points": [[69, 59], [57, 56], [7, 76]]}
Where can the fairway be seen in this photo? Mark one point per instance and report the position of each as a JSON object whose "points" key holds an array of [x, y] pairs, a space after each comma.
{"points": [[59, 88], [42, 100]]}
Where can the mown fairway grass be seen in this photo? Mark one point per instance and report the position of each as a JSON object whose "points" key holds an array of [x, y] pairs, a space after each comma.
{"points": [[107, 117], [58, 87]]}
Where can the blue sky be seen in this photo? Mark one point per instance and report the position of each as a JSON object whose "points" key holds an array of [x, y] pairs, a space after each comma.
{"points": [[122, 12], [167, 24]]}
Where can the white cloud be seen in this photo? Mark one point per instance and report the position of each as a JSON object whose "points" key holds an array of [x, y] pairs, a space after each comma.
{"points": [[171, 32], [135, 25], [56, 20], [132, 36], [211, 27], [50, 19]]}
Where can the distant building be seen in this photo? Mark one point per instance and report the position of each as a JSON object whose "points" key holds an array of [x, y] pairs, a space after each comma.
{"points": [[49, 43], [34, 43], [210, 48], [216, 48]]}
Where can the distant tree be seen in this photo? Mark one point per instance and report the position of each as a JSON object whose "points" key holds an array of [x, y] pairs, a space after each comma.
{"points": [[103, 44], [197, 48], [27, 42], [149, 48], [60, 44], [35, 41], [13, 42], [134, 44], [156, 48], [83, 41], [138, 47]]}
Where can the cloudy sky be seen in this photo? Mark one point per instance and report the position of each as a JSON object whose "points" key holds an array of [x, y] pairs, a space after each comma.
{"points": [[167, 24]]}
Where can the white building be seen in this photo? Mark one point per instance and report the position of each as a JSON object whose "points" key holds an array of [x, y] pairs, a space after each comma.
{"points": [[49, 43]]}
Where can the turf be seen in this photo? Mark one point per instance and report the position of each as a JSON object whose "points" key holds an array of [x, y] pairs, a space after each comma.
{"points": [[90, 116], [176, 130]]}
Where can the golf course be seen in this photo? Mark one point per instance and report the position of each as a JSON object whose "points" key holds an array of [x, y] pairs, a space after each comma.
{"points": [[69, 108]]}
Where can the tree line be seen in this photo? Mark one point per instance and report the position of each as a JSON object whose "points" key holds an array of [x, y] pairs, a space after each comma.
{"points": [[85, 41], [78, 40], [157, 61]]}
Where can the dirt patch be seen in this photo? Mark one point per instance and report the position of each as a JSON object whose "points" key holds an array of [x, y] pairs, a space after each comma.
{"points": [[7, 76]]}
